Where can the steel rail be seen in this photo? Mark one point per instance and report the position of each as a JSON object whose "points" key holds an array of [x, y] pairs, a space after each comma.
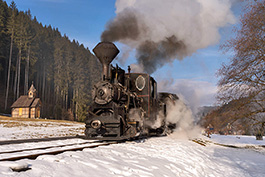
{"points": [[20, 141], [47, 147], [55, 152]]}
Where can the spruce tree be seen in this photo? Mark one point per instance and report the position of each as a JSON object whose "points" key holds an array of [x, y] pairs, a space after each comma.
{"points": [[29, 34], [63, 71], [11, 30], [4, 42]]}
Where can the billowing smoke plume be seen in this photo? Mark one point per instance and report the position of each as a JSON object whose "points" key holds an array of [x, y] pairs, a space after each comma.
{"points": [[164, 30]]}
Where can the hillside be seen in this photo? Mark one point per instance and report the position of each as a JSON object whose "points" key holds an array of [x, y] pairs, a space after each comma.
{"points": [[62, 70], [236, 115]]}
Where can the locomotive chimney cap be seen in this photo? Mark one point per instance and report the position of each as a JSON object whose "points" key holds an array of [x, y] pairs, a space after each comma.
{"points": [[106, 52]]}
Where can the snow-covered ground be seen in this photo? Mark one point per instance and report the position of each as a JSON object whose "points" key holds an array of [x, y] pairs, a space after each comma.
{"points": [[236, 140], [162, 156], [37, 128]]}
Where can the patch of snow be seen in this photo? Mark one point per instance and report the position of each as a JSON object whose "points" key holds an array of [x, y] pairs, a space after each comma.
{"points": [[237, 140], [38, 129], [162, 156]]}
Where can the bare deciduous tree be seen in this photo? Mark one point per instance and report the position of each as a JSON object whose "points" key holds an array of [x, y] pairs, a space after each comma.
{"points": [[244, 77]]}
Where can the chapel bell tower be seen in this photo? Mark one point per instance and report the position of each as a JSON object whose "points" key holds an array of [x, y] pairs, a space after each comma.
{"points": [[32, 91]]}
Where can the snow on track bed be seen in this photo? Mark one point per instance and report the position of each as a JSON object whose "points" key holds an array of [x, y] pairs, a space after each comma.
{"points": [[164, 156], [34, 140], [29, 145], [205, 142], [37, 128], [159, 157], [237, 140], [51, 148]]}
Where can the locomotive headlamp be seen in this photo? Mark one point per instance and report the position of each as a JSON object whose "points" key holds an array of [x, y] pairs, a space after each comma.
{"points": [[140, 83], [95, 124]]}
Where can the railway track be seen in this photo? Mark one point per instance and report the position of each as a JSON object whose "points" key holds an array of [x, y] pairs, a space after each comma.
{"points": [[256, 148], [53, 146], [20, 141]]}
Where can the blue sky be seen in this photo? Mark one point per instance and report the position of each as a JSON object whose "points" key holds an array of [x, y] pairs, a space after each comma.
{"points": [[194, 78]]}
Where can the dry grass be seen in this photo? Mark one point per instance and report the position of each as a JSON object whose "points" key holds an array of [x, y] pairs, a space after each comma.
{"points": [[36, 120], [10, 122], [26, 128]]}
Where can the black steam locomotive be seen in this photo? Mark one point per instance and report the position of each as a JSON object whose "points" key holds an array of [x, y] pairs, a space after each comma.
{"points": [[125, 105]]}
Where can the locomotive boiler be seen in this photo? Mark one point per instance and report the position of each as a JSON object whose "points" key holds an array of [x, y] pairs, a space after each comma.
{"points": [[125, 105]]}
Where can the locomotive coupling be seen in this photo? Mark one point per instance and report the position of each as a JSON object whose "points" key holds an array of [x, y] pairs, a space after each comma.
{"points": [[95, 124]]}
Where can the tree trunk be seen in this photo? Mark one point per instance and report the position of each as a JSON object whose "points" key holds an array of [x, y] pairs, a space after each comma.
{"points": [[12, 78], [15, 80], [49, 98], [66, 97], [43, 83], [27, 73], [9, 68], [43, 91], [38, 82], [76, 105], [66, 101], [18, 76]]}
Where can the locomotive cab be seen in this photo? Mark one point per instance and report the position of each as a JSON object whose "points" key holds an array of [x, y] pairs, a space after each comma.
{"points": [[146, 88]]}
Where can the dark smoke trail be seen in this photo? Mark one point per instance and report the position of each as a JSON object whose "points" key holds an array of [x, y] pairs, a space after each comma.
{"points": [[153, 55], [124, 26]]}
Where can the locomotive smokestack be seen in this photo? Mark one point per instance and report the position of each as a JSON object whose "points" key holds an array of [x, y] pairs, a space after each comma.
{"points": [[106, 52]]}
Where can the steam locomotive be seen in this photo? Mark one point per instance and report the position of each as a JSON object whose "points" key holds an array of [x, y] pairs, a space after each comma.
{"points": [[125, 105]]}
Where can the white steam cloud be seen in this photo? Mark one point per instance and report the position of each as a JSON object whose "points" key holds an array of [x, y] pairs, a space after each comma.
{"points": [[180, 118], [164, 30], [195, 93], [181, 115]]}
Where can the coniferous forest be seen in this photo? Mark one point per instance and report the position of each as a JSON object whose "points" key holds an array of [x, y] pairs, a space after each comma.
{"points": [[63, 71]]}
